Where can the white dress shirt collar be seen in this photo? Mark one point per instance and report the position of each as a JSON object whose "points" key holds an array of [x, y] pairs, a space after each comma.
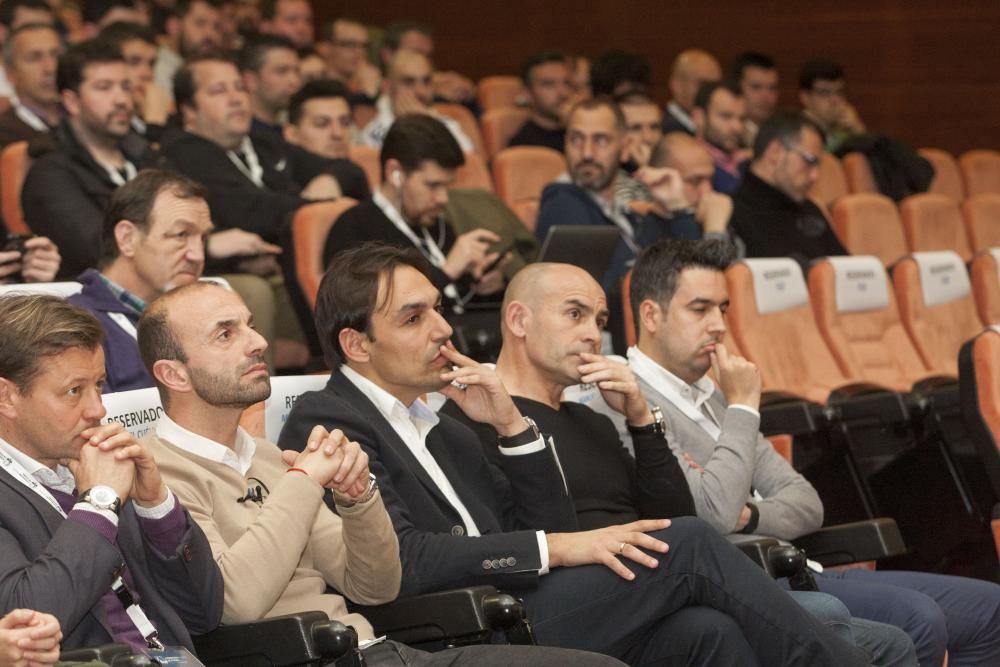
{"points": [[656, 375], [60, 479], [240, 458]]}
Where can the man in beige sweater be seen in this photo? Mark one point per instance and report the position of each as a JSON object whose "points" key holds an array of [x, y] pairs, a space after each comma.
{"points": [[262, 509]]}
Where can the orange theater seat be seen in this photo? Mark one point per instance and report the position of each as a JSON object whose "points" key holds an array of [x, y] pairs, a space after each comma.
{"points": [[936, 307], [947, 178], [631, 335], [831, 184], [980, 171], [868, 224], [521, 173], [367, 157], [934, 222], [858, 173], [14, 165], [310, 227], [772, 322], [467, 122], [499, 91], [982, 220], [979, 365], [856, 312], [499, 127], [474, 174], [984, 273]]}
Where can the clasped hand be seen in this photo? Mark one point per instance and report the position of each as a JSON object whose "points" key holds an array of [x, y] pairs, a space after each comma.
{"points": [[334, 461]]}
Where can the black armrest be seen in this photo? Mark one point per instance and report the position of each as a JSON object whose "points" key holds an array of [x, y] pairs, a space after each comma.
{"points": [[853, 542], [106, 654], [294, 639], [878, 408], [450, 618], [794, 417], [758, 549]]}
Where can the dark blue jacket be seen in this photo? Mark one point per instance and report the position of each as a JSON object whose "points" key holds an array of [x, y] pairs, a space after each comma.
{"points": [[121, 351]]}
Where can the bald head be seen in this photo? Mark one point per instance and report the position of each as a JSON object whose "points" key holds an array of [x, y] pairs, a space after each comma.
{"points": [[692, 68], [532, 284], [681, 151]]}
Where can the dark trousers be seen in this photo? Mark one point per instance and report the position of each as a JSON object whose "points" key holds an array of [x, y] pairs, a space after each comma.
{"points": [[594, 609], [391, 654]]}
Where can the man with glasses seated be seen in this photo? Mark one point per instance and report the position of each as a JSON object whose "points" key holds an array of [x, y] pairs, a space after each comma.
{"points": [[822, 93], [772, 213]]}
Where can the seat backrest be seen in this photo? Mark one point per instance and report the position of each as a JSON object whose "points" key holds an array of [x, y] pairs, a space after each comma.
{"points": [[984, 273], [310, 227], [55, 289], [474, 174], [831, 184], [772, 322], [367, 157], [982, 220], [980, 171], [934, 222], [979, 387], [947, 178], [468, 123], [857, 315], [499, 127], [285, 390], [137, 410], [499, 91], [868, 224], [858, 173], [936, 307], [521, 173], [631, 335], [14, 165]]}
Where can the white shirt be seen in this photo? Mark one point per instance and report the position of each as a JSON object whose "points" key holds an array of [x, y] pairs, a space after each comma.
{"points": [[412, 426], [240, 458], [373, 134]]}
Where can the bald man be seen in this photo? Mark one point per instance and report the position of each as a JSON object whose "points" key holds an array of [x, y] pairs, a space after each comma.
{"points": [[407, 89], [691, 69]]}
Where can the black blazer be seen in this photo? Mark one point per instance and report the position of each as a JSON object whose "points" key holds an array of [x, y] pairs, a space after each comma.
{"points": [[508, 504]]}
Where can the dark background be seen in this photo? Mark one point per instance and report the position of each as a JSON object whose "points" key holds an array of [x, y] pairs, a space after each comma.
{"points": [[925, 71]]}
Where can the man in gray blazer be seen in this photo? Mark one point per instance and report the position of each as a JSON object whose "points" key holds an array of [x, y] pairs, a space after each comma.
{"points": [[740, 485], [88, 531]]}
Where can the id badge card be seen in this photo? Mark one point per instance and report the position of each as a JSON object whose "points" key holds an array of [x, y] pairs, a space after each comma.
{"points": [[174, 656]]}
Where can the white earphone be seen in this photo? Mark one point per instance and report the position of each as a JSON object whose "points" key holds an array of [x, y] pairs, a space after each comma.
{"points": [[397, 179]]}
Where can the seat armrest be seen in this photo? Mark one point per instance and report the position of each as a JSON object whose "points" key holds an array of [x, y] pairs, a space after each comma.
{"points": [[853, 542], [757, 550], [877, 408], [106, 653], [794, 417], [293, 639]]}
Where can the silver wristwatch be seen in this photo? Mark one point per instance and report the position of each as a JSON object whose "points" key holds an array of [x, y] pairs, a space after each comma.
{"points": [[345, 501], [103, 498]]}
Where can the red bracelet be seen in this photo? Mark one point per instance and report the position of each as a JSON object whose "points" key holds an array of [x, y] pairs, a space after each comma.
{"points": [[297, 470]]}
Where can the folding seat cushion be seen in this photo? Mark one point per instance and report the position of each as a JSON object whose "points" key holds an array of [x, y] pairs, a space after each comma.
{"points": [[985, 277], [521, 173], [868, 224], [310, 227]]}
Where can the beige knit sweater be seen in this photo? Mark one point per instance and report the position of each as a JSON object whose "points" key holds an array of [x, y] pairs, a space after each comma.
{"points": [[278, 557]]}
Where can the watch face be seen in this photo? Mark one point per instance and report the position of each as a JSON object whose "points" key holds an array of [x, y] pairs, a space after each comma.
{"points": [[103, 496]]}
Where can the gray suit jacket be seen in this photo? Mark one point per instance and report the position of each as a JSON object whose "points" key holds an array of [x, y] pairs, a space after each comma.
{"points": [[63, 568]]}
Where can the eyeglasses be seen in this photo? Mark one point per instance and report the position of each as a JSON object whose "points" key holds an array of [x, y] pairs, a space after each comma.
{"points": [[807, 157], [837, 91]]}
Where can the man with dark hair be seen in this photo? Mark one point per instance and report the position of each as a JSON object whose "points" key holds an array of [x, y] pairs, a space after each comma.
{"points": [[139, 49], [292, 19], [719, 114], [822, 92], [618, 73], [270, 68], [691, 68], [90, 153], [195, 28], [462, 520], [154, 236], [319, 119], [347, 58], [772, 212], [757, 76], [13, 15], [742, 486], [546, 81], [103, 544], [419, 158], [30, 57]]}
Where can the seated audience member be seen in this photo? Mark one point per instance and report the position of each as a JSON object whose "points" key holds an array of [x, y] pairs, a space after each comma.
{"points": [[319, 119], [90, 153], [292, 19], [98, 14], [154, 237], [741, 485], [619, 73], [13, 15], [552, 322], [30, 260], [324, 557], [418, 161], [347, 60], [772, 212], [29, 638], [151, 104], [407, 90], [595, 137], [693, 163], [719, 112], [408, 35], [194, 30], [312, 65], [643, 129], [546, 82], [757, 76], [463, 521], [270, 68], [691, 68], [822, 92], [31, 55], [79, 540]]}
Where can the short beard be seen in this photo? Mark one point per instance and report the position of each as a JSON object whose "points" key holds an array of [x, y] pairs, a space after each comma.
{"points": [[226, 392]]}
